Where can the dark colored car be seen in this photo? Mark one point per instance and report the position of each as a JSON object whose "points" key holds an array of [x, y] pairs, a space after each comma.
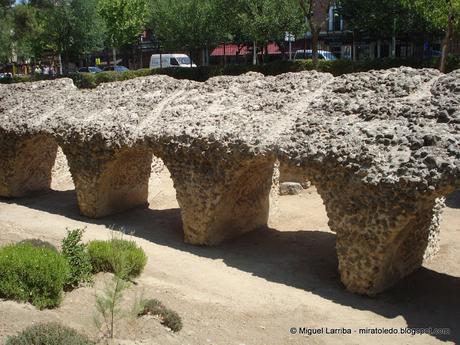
{"points": [[434, 53], [92, 69], [116, 68]]}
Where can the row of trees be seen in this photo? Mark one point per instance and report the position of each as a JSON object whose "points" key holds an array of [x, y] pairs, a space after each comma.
{"points": [[72, 28], [68, 28], [412, 18]]}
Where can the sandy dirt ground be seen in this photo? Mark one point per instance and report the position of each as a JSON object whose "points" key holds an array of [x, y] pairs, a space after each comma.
{"points": [[249, 291]]}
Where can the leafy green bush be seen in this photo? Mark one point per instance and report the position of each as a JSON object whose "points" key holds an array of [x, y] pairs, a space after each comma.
{"points": [[168, 317], [119, 256], [38, 243], [31, 274], [203, 73], [76, 254], [49, 334], [84, 80]]}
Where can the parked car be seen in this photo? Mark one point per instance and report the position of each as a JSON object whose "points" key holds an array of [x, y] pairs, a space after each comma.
{"points": [[433, 53], [92, 69], [116, 68], [171, 60], [308, 54]]}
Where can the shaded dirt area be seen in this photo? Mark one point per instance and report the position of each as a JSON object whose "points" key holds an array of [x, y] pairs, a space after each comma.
{"points": [[251, 290]]}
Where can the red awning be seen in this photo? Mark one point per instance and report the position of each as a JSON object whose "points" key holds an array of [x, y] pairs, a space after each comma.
{"points": [[273, 49], [231, 50]]}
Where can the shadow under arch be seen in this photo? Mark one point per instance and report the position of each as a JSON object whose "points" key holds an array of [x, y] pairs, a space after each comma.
{"points": [[453, 199], [304, 259]]}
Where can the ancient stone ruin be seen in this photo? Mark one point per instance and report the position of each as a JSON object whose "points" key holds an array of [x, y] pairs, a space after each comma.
{"points": [[382, 148]]}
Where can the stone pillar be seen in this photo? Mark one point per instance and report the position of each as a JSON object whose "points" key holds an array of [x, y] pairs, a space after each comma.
{"points": [[220, 195], [384, 232], [25, 164], [275, 190], [109, 181]]}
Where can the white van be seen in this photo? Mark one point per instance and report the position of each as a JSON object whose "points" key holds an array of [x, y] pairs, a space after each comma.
{"points": [[170, 60], [308, 54]]}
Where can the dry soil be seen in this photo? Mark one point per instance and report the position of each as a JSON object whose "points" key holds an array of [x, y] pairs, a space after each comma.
{"points": [[251, 290]]}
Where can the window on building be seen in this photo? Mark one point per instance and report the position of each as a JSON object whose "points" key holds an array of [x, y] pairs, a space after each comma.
{"points": [[335, 19]]}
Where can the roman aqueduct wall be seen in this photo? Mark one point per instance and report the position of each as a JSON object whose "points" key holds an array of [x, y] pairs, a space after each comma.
{"points": [[382, 148]]}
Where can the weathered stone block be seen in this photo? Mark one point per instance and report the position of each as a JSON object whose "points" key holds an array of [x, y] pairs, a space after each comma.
{"points": [[383, 232], [109, 181], [220, 198], [25, 164]]}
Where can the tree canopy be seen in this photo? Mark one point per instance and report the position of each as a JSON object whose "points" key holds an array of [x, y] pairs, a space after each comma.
{"points": [[186, 23], [434, 12], [124, 20], [73, 28], [5, 34], [380, 18], [196, 23]]}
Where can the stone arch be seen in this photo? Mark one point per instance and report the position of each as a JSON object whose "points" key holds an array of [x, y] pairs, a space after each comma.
{"points": [[109, 181], [384, 232], [25, 163], [221, 195]]}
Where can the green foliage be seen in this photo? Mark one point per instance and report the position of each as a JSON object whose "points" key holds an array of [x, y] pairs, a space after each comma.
{"points": [[29, 26], [187, 23], [31, 274], [72, 27], [434, 12], [76, 254], [168, 317], [125, 260], [49, 334], [122, 257], [124, 20], [203, 73], [190, 24], [373, 17], [39, 243], [108, 305], [268, 20], [6, 27], [69, 28]]}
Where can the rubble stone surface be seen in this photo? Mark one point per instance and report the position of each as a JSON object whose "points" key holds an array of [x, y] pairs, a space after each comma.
{"points": [[381, 147]]}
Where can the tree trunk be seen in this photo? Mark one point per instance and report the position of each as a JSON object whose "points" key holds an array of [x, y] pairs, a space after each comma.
{"points": [[355, 48], [446, 43], [60, 64], [393, 46], [114, 51], [265, 58], [254, 54], [66, 62], [314, 46]]}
